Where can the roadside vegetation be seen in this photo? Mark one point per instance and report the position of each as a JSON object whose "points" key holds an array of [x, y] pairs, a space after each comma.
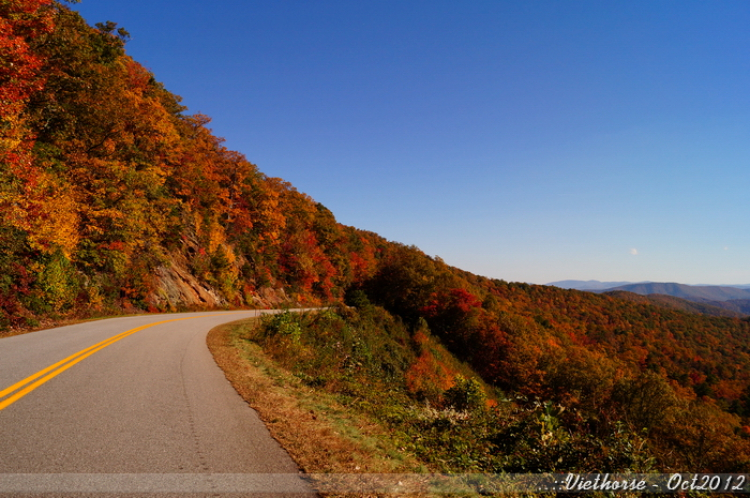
{"points": [[407, 404]]}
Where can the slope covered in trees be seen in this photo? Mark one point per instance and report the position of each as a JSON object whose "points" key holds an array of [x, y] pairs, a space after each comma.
{"points": [[109, 188], [712, 308], [114, 197]]}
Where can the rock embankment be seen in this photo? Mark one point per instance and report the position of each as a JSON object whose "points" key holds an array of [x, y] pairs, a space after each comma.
{"points": [[176, 288]]}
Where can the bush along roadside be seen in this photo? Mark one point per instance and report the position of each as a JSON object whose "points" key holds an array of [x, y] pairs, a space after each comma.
{"points": [[430, 406]]}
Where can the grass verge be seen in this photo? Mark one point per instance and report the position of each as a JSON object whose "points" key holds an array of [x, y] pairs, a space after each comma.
{"points": [[319, 433]]}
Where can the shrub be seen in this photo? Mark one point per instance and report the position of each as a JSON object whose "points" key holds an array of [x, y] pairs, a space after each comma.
{"points": [[466, 394], [284, 324]]}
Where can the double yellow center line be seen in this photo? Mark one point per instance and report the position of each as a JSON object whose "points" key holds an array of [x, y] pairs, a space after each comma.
{"points": [[30, 383]]}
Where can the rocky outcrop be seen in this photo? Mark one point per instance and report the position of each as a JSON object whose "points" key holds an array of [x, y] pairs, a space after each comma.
{"points": [[176, 288]]}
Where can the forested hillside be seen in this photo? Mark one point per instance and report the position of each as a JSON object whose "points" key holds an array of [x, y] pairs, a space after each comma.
{"points": [[114, 197]]}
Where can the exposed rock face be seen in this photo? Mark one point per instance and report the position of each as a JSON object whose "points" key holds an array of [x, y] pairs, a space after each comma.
{"points": [[270, 297], [177, 288]]}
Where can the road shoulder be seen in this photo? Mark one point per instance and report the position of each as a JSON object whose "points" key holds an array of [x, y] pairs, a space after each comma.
{"points": [[319, 434]]}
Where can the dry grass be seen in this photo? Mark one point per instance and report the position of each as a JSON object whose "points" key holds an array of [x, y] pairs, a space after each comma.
{"points": [[319, 433]]}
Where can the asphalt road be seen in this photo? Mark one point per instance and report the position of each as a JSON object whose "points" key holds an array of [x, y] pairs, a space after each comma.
{"points": [[147, 412]]}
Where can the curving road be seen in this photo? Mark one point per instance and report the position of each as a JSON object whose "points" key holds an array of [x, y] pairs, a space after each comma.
{"points": [[145, 411]]}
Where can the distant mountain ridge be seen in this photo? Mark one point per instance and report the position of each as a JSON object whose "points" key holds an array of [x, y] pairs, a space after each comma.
{"points": [[716, 300], [596, 285], [587, 284], [689, 292]]}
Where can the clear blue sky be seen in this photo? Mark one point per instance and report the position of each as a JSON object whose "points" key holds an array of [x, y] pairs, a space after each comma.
{"points": [[525, 140]]}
